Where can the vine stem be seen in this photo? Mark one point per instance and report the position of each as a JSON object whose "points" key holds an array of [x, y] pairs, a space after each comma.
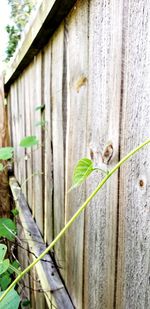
{"points": [[75, 216]]}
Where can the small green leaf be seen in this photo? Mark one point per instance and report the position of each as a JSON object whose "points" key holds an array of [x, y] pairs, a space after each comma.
{"points": [[7, 228], [25, 303], [1, 167], [14, 267], [11, 300], [28, 141], [5, 280], [15, 212], [6, 153], [41, 123], [40, 107], [4, 266], [82, 170], [3, 250]]}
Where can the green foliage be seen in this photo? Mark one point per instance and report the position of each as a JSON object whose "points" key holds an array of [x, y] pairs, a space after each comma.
{"points": [[7, 229], [6, 269], [25, 303], [15, 212], [13, 38], [5, 280], [3, 250], [14, 267], [40, 107], [20, 13], [28, 141], [6, 153], [82, 170], [4, 266], [11, 301]]}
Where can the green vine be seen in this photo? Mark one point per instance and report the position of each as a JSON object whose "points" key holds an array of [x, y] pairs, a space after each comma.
{"points": [[79, 211]]}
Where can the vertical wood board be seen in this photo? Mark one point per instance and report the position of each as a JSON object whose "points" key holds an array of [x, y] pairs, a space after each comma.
{"points": [[133, 289], [48, 206], [105, 40], [37, 154], [57, 139], [77, 79]]}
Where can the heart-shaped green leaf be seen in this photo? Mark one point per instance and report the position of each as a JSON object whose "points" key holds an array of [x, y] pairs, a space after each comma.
{"points": [[28, 141], [4, 266], [82, 170], [6, 153], [11, 300], [7, 228]]}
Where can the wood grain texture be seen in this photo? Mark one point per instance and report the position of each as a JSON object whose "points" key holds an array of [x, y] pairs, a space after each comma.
{"points": [[21, 131], [58, 139], [37, 154], [133, 289], [105, 40], [93, 77], [28, 181], [48, 172], [77, 71]]}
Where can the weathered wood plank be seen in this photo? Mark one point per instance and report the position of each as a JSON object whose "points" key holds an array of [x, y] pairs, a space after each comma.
{"points": [[77, 77], [21, 131], [37, 154], [28, 182], [133, 288], [22, 116], [36, 100], [58, 139], [105, 40], [49, 16], [48, 206], [47, 272]]}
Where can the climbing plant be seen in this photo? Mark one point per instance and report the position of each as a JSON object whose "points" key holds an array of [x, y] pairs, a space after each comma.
{"points": [[82, 170]]}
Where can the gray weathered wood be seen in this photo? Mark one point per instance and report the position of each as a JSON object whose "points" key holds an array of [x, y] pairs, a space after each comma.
{"points": [[93, 77], [28, 182], [133, 288], [105, 41], [37, 153], [47, 272], [58, 140], [77, 78], [48, 205]]}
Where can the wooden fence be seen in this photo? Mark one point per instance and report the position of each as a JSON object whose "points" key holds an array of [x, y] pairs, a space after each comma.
{"points": [[91, 70]]}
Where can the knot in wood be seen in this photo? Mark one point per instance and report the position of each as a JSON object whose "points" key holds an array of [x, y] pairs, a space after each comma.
{"points": [[107, 153]]}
